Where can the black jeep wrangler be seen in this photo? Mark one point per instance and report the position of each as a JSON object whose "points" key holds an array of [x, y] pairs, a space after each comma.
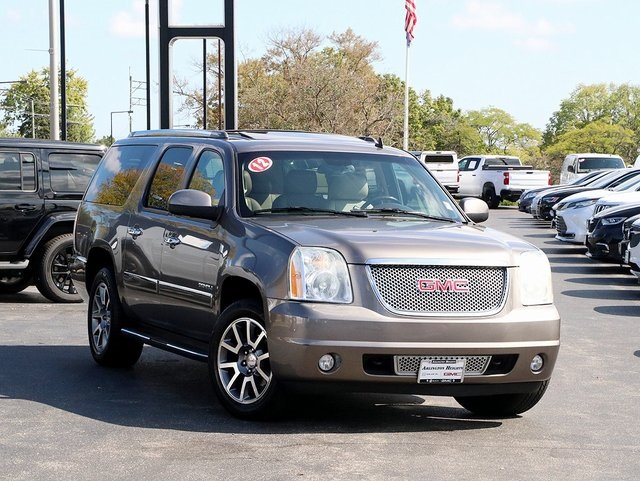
{"points": [[41, 184]]}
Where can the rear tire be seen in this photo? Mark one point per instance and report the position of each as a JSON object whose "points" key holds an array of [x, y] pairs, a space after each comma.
{"points": [[109, 347], [503, 405], [53, 276], [490, 197], [14, 284]]}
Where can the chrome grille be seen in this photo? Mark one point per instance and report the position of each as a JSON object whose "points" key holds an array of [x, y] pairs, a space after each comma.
{"points": [[397, 287], [409, 365]]}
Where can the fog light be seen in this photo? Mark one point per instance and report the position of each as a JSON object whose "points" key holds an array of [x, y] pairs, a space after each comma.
{"points": [[536, 363], [326, 363]]}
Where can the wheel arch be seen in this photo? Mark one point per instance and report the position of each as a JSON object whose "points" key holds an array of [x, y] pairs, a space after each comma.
{"points": [[96, 260], [52, 226], [235, 288]]}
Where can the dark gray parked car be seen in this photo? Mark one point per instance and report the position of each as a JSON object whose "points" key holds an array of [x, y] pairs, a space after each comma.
{"points": [[289, 258]]}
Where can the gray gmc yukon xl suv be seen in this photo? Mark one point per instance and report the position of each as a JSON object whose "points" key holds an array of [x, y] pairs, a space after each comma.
{"points": [[291, 258]]}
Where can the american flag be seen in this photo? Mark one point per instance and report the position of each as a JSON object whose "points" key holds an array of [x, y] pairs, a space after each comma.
{"points": [[410, 19]]}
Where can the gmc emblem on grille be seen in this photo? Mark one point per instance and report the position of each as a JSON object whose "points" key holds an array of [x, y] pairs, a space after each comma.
{"points": [[447, 285]]}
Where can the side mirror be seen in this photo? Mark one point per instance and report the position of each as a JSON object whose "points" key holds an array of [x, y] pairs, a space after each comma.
{"points": [[570, 169], [476, 209], [193, 203]]}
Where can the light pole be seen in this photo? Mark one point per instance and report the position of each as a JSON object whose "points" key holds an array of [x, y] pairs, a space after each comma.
{"points": [[117, 112]]}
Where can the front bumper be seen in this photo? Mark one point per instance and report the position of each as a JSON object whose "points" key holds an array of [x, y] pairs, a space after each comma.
{"points": [[571, 224], [604, 243], [365, 343]]}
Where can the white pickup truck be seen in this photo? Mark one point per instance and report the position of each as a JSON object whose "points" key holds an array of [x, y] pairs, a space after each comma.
{"points": [[493, 178]]}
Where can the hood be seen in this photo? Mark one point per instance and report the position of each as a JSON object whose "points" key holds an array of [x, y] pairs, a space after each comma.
{"points": [[419, 241], [563, 192], [590, 194], [625, 210], [619, 198]]}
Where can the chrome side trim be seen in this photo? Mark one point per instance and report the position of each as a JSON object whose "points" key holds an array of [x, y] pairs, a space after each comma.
{"points": [[136, 334], [192, 353]]}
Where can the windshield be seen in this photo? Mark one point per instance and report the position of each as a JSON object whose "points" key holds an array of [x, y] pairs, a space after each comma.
{"points": [[588, 164], [606, 180], [630, 181], [325, 183]]}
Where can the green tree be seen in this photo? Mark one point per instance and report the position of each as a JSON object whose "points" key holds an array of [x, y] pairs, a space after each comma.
{"points": [[501, 134], [434, 124], [586, 104], [26, 107], [596, 136], [307, 82]]}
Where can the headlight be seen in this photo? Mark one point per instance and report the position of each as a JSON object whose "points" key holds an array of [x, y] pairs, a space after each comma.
{"points": [[580, 204], [551, 200], [558, 206], [319, 274], [612, 220], [535, 279]]}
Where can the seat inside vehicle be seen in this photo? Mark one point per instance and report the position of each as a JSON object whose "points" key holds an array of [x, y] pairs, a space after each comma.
{"points": [[347, 191], [300, 190]]}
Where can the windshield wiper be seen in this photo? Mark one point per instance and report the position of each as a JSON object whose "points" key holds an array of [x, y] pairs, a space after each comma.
{"points": [[309, 210], [395, 210]]}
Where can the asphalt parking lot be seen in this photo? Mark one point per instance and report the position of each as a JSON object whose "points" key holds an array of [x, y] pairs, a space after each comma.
{"points": [[63, 417]]}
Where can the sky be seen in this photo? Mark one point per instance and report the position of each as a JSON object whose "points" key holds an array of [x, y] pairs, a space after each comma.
{"points": [[521, 56]]}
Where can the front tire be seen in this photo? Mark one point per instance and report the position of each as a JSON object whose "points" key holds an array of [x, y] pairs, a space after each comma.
{"points": [[105, 319], [53, 276], [503, 405], [239, 365]]}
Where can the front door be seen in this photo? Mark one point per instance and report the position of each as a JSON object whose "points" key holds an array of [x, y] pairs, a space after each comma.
{"points": [[192, 256]]}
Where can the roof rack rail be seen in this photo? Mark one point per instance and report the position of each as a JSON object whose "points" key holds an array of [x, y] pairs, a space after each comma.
{"points": [[211, 134], [377, 142]]}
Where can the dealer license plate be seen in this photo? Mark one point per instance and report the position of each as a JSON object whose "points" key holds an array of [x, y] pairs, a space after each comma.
{"points": [[441, 370]]}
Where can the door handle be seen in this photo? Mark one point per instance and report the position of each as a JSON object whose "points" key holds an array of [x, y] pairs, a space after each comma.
{"points": [[172, 241], [134, 231], [25, 207]]}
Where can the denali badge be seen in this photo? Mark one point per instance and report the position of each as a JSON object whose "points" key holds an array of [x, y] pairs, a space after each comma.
{"points": [[447, 285]]}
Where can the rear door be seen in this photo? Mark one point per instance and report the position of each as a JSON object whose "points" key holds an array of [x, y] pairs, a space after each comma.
{"points": [[142, 253], [21, 198]]}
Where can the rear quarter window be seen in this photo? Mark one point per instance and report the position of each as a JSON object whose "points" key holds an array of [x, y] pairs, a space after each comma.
{"points": [[71, 171], [118, 173]]}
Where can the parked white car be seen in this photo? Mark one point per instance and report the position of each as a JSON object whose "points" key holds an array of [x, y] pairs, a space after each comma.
{"points": [[572, 213], [577, 165], [444, 166], [631, 246]]}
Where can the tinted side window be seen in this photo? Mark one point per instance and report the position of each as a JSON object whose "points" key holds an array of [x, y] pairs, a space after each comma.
{"points": [[168, 176], [17, 171], [209, 176], [119, 171], [71, 171], [470, 163]]}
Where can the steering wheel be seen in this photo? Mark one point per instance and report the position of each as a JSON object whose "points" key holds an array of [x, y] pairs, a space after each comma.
{"points": [[382, 200]]}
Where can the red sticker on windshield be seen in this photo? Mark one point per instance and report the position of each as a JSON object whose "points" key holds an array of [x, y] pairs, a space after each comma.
{"points": [[260, 164]]}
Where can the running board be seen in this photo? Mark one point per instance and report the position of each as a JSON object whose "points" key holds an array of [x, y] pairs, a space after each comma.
{"points": [[198, 356]]}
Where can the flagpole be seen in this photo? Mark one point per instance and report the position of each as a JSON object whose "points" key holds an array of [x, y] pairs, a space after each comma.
{"points": [[405, 140]]}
